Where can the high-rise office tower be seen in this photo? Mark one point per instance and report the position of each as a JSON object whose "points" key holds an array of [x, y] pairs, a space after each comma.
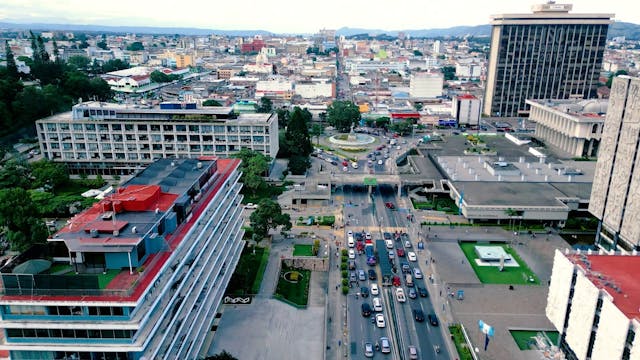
{"points": [[549, 54], [615, 195]]}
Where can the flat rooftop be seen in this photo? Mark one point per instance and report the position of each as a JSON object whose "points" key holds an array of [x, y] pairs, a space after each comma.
{"points": [[615, 274], [581, 110], [516, 194]]}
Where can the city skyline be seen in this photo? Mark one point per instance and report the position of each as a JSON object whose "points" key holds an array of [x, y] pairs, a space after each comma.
{"points": [[286, 16]]}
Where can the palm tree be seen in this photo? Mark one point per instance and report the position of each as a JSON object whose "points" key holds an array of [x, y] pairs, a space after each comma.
{"points": [[511, 213]]}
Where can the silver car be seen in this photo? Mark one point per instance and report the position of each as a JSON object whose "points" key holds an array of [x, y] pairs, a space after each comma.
{"points": [[385, 345], [368, 350]]}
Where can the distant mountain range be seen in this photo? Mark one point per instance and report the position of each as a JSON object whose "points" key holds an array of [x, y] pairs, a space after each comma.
{"points": [[628, 30]]}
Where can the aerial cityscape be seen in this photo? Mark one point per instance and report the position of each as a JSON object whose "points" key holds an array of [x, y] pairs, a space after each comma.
{"points": [[341, 183]]}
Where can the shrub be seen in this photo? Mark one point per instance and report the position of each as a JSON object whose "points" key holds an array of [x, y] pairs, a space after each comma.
{"points": [[343, 266], [344, 259], [345, 252], [345, 274], [345, 290], [345, 282]]}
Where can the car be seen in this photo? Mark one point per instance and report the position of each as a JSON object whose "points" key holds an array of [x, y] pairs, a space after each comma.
{"points": [[352, 277], [385, 345], [354, 165], [368, 350], [380, 162], [418, 314], [391, 255], [352, 264], [433, 319], [361, 275], [367, 236], [389, 205], [372, 274], [251, 206], [417, 273], [345, 163], [413, 352], [366, 309], [422, 291], [395, 281], [407, 244], [380, 321], [386, 235], [377, 304], [388, 244], [352, 254], [386, 155], [405, 268], [374, 289], [333, 162], [398, 147], [400, 295], [400, 252], [411, 256], [364, 291], [412, 293], [349, 233]]}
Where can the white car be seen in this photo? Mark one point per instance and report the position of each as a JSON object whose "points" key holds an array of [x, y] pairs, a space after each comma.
{"points": [[251, 206], [367, 236], [349, 233], [380, 162], [400, 295], [388, 244], [417, 273], [374, 289], [354, 165], [352, 254], [380, 321], [412, 256]]}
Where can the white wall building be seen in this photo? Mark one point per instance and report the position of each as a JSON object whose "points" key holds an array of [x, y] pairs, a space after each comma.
{"points": [[115, 139], [315, 89], [437, 47], [274, 89], [593, 303], [426, 85], [466, 109]]}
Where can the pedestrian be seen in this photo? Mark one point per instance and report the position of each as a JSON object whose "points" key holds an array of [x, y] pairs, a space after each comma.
{"points": [[440, 293]]}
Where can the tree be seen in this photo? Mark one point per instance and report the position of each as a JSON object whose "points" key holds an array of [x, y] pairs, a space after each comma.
{"points": [[16, 213], [402, 127], [254, 165], [342, 115], [297, 134], [211, 102], [224, 355], [449, 72], [610, 80], [12, 68], [160, 77], [417, 53], [317, 130], [298, 164], [283, 118], [102, 44], [266, 217], [15, 175], [78, 62], [49, 173], [266, 105], [135, 46], [114, 65]]}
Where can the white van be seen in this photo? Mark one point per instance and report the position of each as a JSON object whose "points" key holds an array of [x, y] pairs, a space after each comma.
{"points": [[377, 304], [350, 241]]}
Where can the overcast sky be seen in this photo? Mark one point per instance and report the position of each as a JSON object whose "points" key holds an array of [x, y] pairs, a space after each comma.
{"points": [[289, 16]]}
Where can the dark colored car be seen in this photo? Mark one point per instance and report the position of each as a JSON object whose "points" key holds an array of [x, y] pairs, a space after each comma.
{"points": [[364, 291], [372, 275], [400, 252], [406, 269], [366, 309], [422, 291], [412, 293], [387, 236], [418, 315], [389, 205], [433, 319]]}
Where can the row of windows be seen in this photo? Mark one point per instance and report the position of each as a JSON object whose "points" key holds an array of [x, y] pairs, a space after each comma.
{"points": [[155, 128], [153, 138], [63, 310], [194, 150], [70, 333]]}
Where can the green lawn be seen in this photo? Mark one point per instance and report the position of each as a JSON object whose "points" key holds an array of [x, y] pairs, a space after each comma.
{"points": [[59, 267], [297, 293], [302, 250], [247, 276], [492, 274], [460, 342], [524, 337], [103, 279]]}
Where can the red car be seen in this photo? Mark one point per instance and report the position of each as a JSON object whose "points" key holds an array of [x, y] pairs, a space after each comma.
{"points": [[345, 163], [389, 205], [400, 252], [396, 280]]}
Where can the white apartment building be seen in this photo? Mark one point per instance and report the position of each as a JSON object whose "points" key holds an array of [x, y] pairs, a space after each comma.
{"points": [[593, 303], [115, 139], [315, 89], [274, 89], [468, 70], [466, 109], [426, 85], [571, 126]]}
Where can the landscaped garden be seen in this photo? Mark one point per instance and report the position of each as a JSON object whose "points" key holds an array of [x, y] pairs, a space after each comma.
{"points": [[491, 274], [526, 338], [326, 220], [247, 277], [293, 286], [461, 344], [302, 250]]}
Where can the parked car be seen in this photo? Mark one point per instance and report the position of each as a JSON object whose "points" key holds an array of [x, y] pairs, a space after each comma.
{"points": [[352, 254], [352, 264], [389, 205], [352, 277], [361, 275], [251, 206]]}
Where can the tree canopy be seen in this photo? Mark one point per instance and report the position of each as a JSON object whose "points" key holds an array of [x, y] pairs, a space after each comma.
{"points": [[266, 217], [211, 102], [316, 130], [266, 105], [297, 134], [224, 355], [160, 77], [402, 127], [254, 166], [16, 214], [342, 115], [135, 46]]}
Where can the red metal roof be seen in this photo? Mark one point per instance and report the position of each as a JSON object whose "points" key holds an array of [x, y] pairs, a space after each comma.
{"points": [[611, 272], [467, 96]]}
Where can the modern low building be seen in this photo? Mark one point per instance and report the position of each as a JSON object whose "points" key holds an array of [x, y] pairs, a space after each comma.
{"points": [[140, 275], [548, 54], [573, 127], [116, 139], [593, 303], [615, 198]]}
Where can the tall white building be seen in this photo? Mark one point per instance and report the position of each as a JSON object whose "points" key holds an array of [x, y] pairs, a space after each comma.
{"points": [[115, 139], [466, 109], [593, 303], [437, 47], [426, 85]]}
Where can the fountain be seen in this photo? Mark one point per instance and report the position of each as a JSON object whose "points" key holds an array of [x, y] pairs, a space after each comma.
{"points": [[352, 139]]}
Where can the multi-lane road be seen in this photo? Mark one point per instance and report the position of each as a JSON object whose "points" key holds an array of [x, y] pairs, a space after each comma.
{"points": [[370, 214]]}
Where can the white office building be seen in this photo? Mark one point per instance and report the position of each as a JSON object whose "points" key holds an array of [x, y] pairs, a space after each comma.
{"points": [[466, 110], [426, 85]]}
